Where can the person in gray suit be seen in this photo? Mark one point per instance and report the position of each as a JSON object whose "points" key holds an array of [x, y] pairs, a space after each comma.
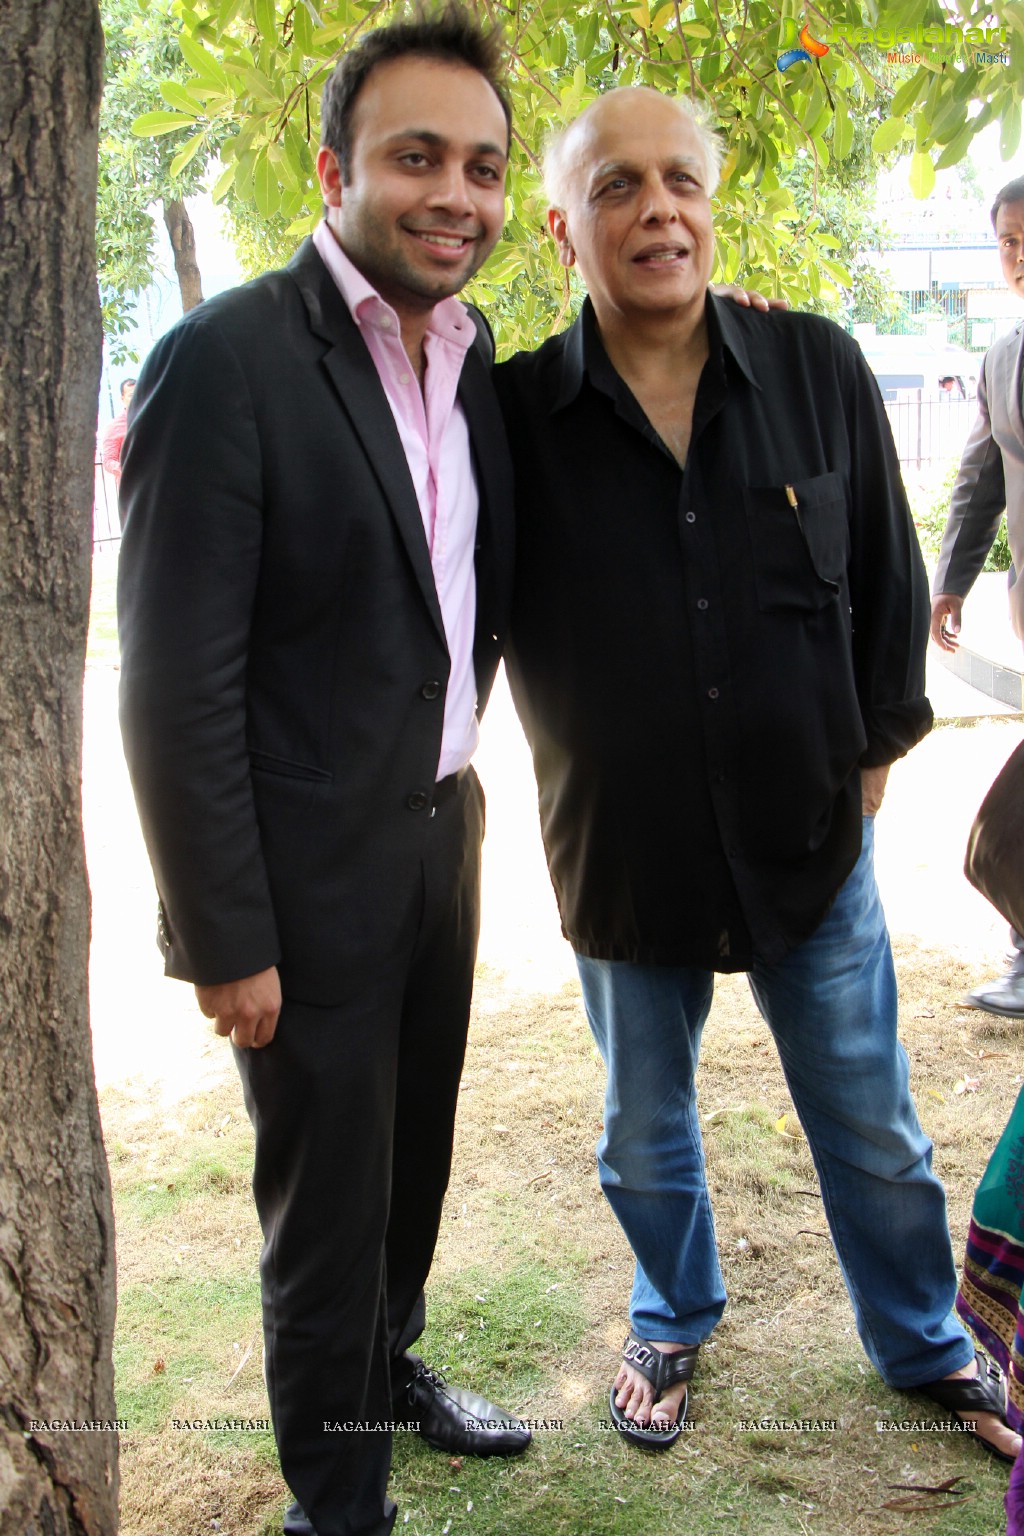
{"points": [[991, 480]]}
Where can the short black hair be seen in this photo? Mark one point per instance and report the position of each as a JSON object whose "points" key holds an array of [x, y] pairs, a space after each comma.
{"points": [[448, 33], [1013, 192]]}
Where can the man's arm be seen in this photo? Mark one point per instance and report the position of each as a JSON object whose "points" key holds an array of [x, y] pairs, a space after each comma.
{"points": [[888, 589], [187, 579], [976, 507]]}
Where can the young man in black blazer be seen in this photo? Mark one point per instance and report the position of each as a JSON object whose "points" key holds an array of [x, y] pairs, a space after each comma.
{"points": [[313, 592]]}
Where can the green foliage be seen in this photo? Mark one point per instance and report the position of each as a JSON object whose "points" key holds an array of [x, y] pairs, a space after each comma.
{"points": [[258, 66], [141, 166]]}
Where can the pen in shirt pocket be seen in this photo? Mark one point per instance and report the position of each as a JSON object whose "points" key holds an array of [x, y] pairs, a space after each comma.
{"points": [[794, 503]]}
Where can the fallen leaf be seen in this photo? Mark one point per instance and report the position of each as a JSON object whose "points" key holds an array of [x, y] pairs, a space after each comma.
{"points": [[158, 1367]]}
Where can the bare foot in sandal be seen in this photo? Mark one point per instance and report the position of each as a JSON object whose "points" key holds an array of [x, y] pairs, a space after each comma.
{"points": [[989, 1427], [648, 1400]]}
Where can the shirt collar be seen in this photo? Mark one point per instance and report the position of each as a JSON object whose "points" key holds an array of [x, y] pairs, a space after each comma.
{"points": [[584, 355], [448, 321]]}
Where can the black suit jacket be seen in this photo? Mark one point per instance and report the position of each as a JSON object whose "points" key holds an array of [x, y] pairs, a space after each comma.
{"points": [[283, 656]]}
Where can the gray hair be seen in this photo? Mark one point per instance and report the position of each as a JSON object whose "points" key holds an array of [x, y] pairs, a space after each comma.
{"points": [[558, 157]]}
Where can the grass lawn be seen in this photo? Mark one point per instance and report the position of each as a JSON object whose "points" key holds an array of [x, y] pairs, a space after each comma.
{"points": [[528, 1301]]}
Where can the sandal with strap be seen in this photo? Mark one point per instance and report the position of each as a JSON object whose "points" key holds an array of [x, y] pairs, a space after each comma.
{"points": [[662, 1371], [967, 1396]]}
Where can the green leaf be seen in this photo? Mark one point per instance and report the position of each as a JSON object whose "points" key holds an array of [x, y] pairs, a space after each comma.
{"points": [[186, 153], [956, 149], [887, 135], [908, 93], [152, 124], [201, 61], [178, 97], [558, 48], [265, 16], [303, 29], [835, 269], [225, 181], [266, 187], [842, 131], [586, 33], [1009, 131], [922, 174]]}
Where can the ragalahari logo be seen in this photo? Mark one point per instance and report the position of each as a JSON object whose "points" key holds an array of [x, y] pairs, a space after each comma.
{"points": [[809, 47]]}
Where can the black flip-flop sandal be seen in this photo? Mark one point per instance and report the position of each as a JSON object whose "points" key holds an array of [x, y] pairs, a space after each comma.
{"points": [[969, 1395], [662, 1371]]}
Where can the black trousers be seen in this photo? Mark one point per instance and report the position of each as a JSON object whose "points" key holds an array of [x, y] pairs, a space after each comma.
{"points": [[354, 1109]]}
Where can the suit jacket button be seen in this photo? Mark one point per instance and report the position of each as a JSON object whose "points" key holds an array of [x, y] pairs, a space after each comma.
{"points": [[417, 801], [431, 689]]}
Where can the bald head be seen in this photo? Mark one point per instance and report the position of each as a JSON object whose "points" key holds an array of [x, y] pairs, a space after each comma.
{"points": [[617, 118]]}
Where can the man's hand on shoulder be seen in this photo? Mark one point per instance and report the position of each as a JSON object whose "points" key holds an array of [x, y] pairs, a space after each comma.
{"points": [[748, 297], [947, 609], [246, 1010]]}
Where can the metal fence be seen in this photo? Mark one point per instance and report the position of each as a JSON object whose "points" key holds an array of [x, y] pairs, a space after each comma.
{"points": [[928, 431], [106, 526]]}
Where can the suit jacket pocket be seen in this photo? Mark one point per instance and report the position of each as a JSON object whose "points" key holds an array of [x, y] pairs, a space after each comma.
{"points": [[266, 762], [800, 542]]}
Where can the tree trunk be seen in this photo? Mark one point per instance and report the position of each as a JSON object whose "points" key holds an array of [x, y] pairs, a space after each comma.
{"points": [[56, 1227], [183, 243]]}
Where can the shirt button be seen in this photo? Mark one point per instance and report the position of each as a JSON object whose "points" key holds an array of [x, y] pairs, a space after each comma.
{"points": [[431, 690], [404, 378], [712, 693], [702, 603], [691, 517], [385, 322], [417, 801]]}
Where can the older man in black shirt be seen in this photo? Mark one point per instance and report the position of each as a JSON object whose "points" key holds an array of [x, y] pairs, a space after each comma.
{"points": [[718, 650]]}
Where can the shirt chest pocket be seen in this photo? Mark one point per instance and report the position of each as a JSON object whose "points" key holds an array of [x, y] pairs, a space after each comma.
{"points": [[800, 542]]}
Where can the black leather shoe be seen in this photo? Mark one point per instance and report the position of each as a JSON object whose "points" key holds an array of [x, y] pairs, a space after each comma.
{"points": [[1004, 996], [460, 1422]]}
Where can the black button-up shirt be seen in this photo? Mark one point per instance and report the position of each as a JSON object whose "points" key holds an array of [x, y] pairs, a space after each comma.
{"points": [[701, 666]]}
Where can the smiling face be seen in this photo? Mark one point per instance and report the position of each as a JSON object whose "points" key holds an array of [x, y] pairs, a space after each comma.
{"points": [[424, 202], [637, 219], [1010, 237]]}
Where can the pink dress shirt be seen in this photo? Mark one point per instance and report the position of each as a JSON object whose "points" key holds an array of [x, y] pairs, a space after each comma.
{"points": [[435, 437]]}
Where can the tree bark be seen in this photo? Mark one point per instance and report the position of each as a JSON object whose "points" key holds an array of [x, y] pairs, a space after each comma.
{"points": [[183, 244], [56, 1227]]}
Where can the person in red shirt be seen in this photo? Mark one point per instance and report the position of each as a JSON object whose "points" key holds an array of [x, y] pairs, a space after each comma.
{"points": [[113, 435]]}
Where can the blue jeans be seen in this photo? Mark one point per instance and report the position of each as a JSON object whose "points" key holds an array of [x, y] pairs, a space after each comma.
{"points": [[831, 1006]]}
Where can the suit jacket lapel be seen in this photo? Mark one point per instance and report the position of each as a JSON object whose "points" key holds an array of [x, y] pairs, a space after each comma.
{"points": [[362, 397], [495, 525]]}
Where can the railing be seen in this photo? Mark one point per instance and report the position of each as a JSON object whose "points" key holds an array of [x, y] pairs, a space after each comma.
{"points": [[929, 431], [106, 526]]}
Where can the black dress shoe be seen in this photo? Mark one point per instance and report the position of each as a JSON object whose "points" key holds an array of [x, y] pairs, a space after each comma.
{"points": [[460, 1422], [296, 1521]]}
